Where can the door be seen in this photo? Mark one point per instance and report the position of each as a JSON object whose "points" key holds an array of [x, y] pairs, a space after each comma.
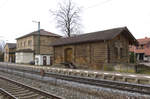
{"points": [[44, 60], [141, 56], [51, 60], [68, 55]]}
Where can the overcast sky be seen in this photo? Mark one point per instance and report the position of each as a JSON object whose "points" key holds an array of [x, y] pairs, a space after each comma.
{"points": [[16, 16]]}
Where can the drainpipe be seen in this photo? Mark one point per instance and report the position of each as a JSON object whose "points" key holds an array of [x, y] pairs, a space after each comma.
{"points": [[39, 38]]}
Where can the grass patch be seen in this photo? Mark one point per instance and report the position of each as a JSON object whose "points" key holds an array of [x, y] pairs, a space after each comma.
{"points": [[142, 71], [109, 68]]}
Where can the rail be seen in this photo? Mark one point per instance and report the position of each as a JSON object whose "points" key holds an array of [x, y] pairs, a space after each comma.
{"points": [[7, 94], [35, 90], [125, 86]]}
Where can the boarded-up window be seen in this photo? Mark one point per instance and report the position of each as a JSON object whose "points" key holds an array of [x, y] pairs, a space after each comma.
{"points": [[58, 51], [116, 52], [121, 52], [108, 54], [21, 44], [58, 55], [81, 53], [98, 52], [24, 43], [29, 42], [68, 55]]}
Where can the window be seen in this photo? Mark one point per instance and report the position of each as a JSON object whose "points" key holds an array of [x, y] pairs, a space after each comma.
{"points": [[24, 43], [116, 52], [121, 52], [142, 46], [21, 44], [29, 42]]}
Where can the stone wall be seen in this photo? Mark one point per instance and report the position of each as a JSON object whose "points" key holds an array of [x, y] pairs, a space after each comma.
{"points": [[25, 43], [9, 54], [86, 55], [94, 55], [119, 42], [45, 42], [6, 54]]}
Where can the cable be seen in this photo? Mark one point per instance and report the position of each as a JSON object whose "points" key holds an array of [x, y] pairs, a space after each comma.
{"points": [[106, 1]]}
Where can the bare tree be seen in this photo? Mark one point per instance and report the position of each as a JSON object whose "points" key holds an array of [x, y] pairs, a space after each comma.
{"points": [[68, 18]]}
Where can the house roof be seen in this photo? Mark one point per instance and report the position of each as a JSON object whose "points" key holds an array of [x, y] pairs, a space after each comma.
{"points": [[42, 33], [144, 40], [11, 45], [96, 36]]}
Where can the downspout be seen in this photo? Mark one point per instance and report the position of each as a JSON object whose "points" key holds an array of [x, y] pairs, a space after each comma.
{"points": [[108, 53]]}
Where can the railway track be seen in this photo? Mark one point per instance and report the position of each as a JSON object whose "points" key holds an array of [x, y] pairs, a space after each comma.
{"points": [[124, 86], [11, 89]]}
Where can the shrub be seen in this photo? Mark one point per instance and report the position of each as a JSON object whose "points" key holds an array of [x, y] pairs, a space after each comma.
{"points": [[132, 57], [108, 68]]}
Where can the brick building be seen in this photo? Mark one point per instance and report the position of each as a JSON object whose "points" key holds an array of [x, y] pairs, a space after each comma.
{"points": [[9, 52], [34, 47], [93, 50], [142, 50]]}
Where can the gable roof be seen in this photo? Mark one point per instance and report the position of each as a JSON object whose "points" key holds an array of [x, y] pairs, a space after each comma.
{"points": [[11, 45], [42, 33], [96, 36]]}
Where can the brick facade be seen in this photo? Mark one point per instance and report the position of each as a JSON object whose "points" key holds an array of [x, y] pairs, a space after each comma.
{"points": [[30, 43], [9, 52]]}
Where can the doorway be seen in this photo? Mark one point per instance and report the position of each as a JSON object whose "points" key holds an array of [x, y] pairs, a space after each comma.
{"points": [[44, 60], [68, 55], [141, 56]]}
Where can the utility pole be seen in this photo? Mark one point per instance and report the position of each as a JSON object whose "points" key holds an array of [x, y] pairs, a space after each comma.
{"points": [[38, 36]]}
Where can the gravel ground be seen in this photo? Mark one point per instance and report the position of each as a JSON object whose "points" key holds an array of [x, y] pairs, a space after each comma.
{"points": [[72, 90]]}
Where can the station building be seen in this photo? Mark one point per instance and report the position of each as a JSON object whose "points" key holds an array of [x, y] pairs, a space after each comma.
{"points": [[34, 47], [94, 50]]}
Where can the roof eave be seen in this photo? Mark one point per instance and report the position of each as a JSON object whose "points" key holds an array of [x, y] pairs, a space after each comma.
{"points": [[134, 40], [74, 43]]}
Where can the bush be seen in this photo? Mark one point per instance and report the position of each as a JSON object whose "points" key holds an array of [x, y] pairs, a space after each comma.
{"points": [[132, 57]]}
